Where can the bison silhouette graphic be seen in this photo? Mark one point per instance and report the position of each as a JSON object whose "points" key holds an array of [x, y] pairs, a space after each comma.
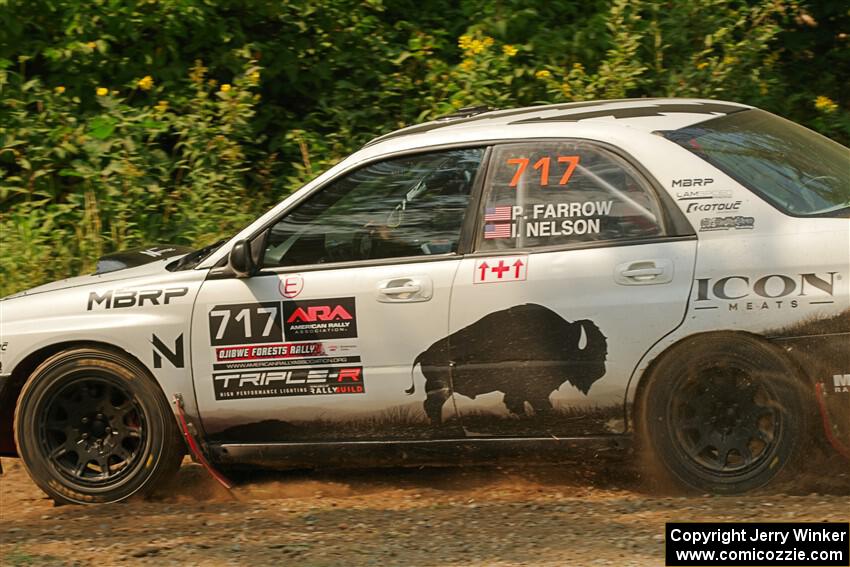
{"points": [[527, 352]]}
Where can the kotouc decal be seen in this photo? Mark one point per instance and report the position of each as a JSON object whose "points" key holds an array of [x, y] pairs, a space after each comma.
{"points": [[712, 207], [782, 290], [120, 299], [160, 349]]}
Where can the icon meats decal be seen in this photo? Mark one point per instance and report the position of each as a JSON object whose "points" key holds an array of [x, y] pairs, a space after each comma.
{"points": [[527, 352], [320, 319], [771, 291], [294, 382]]}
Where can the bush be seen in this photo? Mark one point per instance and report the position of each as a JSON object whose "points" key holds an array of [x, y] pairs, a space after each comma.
{"points": [[124, 124]]}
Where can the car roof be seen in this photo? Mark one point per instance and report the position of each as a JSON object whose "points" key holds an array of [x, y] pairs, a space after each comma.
{"points": [[646, 115]]}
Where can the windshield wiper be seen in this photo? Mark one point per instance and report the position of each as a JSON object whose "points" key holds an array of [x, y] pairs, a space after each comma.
{"points": [[192, 259]]}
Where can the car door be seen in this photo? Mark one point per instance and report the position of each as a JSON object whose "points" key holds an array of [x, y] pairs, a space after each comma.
{"points": [[577, 271], [355, 281]]}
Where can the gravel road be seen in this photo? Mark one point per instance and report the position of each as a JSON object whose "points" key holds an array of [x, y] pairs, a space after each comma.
{"points": [[567, 515]]}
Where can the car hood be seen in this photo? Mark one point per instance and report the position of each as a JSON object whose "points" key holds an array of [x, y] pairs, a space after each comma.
{"points": [[123, 265]]}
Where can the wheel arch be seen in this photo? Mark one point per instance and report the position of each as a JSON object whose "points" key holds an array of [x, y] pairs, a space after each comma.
{"points": [[633, 404], [24, 369]]}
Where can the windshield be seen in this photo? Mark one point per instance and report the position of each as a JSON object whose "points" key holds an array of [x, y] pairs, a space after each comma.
{"points": [[796, 170]]}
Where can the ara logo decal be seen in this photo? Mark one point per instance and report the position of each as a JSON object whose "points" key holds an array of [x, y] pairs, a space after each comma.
{"points": [[320, 319], [160, 350], [502, 269]]}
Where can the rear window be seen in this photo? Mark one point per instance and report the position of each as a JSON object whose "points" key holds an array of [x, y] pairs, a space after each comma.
{"points": [[794, 169]]}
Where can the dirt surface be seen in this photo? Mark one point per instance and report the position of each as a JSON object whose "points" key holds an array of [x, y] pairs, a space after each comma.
{"points": [[567, 515]]}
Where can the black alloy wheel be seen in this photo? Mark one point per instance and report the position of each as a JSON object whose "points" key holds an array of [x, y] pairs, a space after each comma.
{"points": [[93, 426], [93, 430], [724, 413]]}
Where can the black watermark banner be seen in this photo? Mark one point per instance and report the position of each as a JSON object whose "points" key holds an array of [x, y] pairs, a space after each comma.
{"points": [[806, 544]]}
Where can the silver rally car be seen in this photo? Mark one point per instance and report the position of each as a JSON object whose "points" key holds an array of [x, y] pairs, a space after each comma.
{"points": [[493, 284]]}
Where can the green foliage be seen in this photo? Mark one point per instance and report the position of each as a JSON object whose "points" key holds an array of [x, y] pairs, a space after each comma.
{"points": [[129, 123]]}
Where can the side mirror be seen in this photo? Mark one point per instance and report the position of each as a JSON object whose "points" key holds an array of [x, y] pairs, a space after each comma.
{"points": [[241, 261]]}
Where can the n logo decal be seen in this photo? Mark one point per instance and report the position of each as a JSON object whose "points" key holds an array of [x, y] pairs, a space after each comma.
{"points": [[160, 349]]}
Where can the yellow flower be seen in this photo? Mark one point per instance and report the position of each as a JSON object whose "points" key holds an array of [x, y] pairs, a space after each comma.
{"points": [[543, 74], [102, 91], [825, 104], [225, 88], [487, 41], [254, 77], [566, 89], [702, 65], [114, 93], [145, 83], [161, 106], [467, 64], [59, 90], [464, 42], [477, 46], [91, 45], [509, 50]]}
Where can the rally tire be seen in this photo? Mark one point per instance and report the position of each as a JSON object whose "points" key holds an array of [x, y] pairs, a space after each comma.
{"points": [[92, 426], [724, 414]]}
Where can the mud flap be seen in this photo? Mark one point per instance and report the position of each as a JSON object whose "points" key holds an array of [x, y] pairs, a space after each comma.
{"points": [[835, 413], [194, 447]]}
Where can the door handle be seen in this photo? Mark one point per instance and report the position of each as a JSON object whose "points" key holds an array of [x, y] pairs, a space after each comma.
{"points": [[644, 272], [407, 289]]}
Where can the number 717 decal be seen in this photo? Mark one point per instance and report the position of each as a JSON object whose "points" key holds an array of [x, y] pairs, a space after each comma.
{"points": [[543, 164]]}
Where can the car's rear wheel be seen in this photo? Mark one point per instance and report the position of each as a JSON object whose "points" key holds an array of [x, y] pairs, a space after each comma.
{"points": [[92, 426], [724, 414]]}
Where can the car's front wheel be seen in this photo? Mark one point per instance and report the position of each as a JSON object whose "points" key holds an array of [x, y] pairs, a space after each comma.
{"points": [[92, 426], [724, 414]]}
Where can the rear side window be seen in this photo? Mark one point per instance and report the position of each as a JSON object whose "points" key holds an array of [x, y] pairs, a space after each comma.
{"points": [[796, 170], [561, 193]]}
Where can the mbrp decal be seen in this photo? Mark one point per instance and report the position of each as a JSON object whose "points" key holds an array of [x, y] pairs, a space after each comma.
{"points": [[527, 352], [245, 323], [501, 269], [726, 223], [693, 182], [294, 382], [318, 319], [131, 298], [771, 291]]}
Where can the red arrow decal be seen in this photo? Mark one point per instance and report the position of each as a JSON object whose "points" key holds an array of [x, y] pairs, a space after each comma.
{"points": [[518, 264], [483, 267]]}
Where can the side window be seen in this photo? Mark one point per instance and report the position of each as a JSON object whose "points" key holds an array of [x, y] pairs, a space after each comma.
{"points": [[408, 206], [557, 193]]}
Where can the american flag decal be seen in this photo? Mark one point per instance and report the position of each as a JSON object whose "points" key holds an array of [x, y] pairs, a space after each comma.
{"points": [[500, 230], [497, 213]]}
